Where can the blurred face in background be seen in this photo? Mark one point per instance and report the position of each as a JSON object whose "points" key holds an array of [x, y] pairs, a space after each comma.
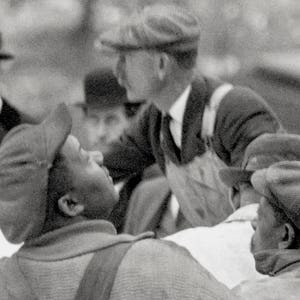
{"points": [[105, 125]]}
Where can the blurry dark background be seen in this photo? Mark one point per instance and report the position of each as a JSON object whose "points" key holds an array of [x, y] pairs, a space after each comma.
{"points": [[254, 42]]}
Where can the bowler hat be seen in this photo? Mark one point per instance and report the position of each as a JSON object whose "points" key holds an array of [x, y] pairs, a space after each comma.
{"points": [[280, 184], [261, 153], [26, 155], [4, 55], [168, 28], [102, 90]]}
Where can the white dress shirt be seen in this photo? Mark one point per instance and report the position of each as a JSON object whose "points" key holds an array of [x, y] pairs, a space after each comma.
{"points": [[176, 112]]}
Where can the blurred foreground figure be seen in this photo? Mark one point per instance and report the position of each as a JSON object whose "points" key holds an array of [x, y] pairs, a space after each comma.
{"points": [[224, 249], [9, 118], [54, 197], [193, 126], [276, 242]]}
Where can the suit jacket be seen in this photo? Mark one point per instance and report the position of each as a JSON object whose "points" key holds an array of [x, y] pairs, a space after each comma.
{"points": [[242, 116]]}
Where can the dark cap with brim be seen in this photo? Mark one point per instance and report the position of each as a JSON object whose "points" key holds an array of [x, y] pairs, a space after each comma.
{"points": [[157, 27], [264, 151], [233, 176]]}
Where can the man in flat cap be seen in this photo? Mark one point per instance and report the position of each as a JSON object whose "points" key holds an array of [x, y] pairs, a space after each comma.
{"points": [[54, 198], [276, 242], [193, 126], [224, 248]]}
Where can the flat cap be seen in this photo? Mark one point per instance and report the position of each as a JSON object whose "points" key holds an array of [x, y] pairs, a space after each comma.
{"points": [[280, 184], [26, 155], [158, 27], [265, 150]]}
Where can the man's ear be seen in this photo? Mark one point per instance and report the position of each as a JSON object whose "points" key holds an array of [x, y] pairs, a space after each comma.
{"points": [[70, 206], [163, 65], [288, 237]]}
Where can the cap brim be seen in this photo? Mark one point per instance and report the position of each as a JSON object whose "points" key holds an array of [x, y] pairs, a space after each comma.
{"points": [[57, 128], [233, 176]]}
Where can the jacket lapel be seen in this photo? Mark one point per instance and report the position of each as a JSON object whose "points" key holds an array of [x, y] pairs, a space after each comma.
{"points": [[192, 119]]}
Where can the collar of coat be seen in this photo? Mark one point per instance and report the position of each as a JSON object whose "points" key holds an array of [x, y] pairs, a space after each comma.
{"points": [[273, 262], [73, 240]]}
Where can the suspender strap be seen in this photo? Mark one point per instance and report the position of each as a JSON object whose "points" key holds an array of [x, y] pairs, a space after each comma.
{"points": [[16, 285], [100, 273], [210, 111]]}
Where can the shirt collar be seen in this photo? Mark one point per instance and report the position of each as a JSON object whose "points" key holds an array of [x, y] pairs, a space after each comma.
{"points": [[177, 109], [275, 261], [73, 240]]}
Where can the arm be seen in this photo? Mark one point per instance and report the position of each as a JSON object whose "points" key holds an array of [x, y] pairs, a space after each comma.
{"points": [[133, 152], [242, 116]]}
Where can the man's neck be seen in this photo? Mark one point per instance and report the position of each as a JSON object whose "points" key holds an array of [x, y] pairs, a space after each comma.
{"points": [[169, 94]]}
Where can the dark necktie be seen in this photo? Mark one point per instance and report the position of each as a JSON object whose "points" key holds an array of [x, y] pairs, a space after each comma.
{"points": [[168, 144]]}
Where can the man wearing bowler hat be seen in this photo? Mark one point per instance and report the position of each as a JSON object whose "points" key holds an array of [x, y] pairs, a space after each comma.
{"points": [[54, 198], [276, 242], [107, 110], [157, 51]]}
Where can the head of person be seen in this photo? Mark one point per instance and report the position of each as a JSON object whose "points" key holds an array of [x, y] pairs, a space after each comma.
{"points": [[278, 224], [157, 50], [48, 181], [107, 110], [261, 153]]}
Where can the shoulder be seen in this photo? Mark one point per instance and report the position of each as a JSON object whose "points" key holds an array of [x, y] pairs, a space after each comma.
{"points": [[163, 270], [243, 99]]}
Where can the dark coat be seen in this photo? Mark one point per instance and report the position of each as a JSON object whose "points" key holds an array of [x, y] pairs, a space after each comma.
{"points": [[242, 116]]}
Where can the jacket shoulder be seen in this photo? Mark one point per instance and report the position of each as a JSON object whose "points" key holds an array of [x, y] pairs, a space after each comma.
{"points": [[156, 269]]}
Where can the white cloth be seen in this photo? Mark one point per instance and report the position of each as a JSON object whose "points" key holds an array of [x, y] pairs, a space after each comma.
{"points": [[224, 249], [7, 249]]}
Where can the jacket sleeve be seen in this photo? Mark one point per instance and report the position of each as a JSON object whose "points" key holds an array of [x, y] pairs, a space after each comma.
{"points": [[132, 153], [242, 116], [155, 269]]}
